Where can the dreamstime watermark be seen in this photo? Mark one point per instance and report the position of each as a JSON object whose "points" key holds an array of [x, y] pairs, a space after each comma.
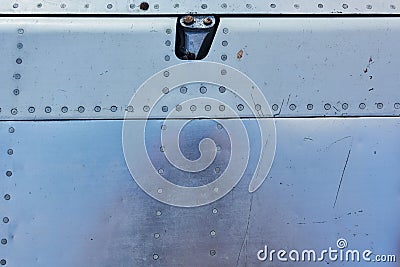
{"points": [[338, 253], [170, 83]]}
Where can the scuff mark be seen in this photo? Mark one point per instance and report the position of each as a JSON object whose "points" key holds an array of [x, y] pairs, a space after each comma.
{"points": [[103, 73], [341, 139], [280, 109], [246, 233], [308, 138], [287, 102], [341, 178], [239, 54]]}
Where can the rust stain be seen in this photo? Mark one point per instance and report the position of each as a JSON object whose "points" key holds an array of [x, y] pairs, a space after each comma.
{"points": [[239, 54]]}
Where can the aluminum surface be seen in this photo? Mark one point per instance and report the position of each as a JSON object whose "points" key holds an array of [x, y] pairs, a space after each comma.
{"points": [[133, 7], [90, 68], [73, 201]]}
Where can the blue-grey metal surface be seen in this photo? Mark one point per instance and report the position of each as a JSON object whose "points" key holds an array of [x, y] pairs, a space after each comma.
{"points": [[69, 85], [90, 68], [74, 202], [134, 7]]}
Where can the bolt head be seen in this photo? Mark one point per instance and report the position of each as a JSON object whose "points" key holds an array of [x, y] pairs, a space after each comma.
{"points": [[188, 19], [207, 21]]}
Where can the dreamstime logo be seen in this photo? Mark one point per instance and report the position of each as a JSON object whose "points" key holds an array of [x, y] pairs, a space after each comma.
{"points": [[163, 111], [340, 253]]}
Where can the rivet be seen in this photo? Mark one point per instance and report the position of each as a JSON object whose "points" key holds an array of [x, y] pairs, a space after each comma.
{"points": [[7, 197], [81, 109], [392, 6], [166, 73], [320, 6], [14, 111], [310, 106], [176, 5], [272, 5], [162, 149], [97, 108], [160, 171], [224, 43], [18, 60], [15, 5], [223, 72], [203, 90], [204, 6], [217, 169], [47, 109], [292, 107], [11, 130], [207, 107], [164, 109], [165, 90], [221, 107], [20, 31], [249, 6], [63, 5], [213, 252], [6, 220], [86, 5], [345, 6], [167, 58], [3, 241], [159, 190], [178, 107], [155, 257], [192, 107], [219, 126], [397, 105], [168, 31], [297, 6], [8, 173], [39, 5], [129, 109], [225, 30], [163, 127], [64, 109], [10, 151], [240, 107], [17, 76], [224, 57], [222, 89], [146, 108], [379, 105], [215, 211], [168, 43], [3, 262], [257, 107], [16, 91], [156, 235], [327, 106], [109, 6], [224, 5], [369, 6], [362, 106], [31, 109], [345, 106], [158, 212], [113, 108], [132, 6], [218, 148], [156, 6], [183, 90], [20, 45], [213, 233], [275, 107]]}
